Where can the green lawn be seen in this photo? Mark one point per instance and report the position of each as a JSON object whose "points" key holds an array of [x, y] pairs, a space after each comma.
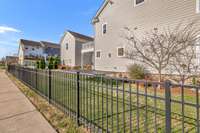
{"points": [[102, 103], [2, 67]]}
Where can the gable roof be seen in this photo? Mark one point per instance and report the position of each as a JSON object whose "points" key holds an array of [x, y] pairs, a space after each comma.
{"points": [[99, 11], [77, 35], [40, 44], [30, 42], [81, 36], [50, 44]]}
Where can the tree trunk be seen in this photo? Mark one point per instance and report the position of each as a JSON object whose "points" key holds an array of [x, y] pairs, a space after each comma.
{"points": [[183, 80], [160, 78]]}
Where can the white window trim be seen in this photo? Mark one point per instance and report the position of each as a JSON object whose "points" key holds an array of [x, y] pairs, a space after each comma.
{"points": [[135, 5], [96, 54], [118, 49], [103, 29], [197, 6]]}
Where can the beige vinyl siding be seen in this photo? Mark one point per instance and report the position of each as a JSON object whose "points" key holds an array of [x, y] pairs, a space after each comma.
{"points": [[78, 53], [68, 55], [153, 13]]}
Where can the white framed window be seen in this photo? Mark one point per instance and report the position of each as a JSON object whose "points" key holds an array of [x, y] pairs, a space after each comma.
{"points": [[98, 54], [138, 2], [104, 28], [197, 6], [120, 52], [109, 55]]}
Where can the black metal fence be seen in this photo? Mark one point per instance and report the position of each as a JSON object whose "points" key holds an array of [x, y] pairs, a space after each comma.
{"points": [[104, 104]]}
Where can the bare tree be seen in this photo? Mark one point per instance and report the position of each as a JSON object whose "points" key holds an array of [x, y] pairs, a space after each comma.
{"points": [[3, 60], [185, 63], [156, 49]]}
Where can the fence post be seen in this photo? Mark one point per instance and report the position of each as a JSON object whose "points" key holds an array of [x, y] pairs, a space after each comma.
{"points": [[49, 85], [36, 79], [167, 86], [78, 98]]}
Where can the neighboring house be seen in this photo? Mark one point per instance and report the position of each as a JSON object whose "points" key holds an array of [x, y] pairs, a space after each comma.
{"points": [[11, 60], [143, 15], [32, 51], [77, 49], [50, 49]]}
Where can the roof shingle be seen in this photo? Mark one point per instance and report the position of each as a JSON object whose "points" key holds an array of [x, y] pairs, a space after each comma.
{"points": [[81, 36], [30, 42]]}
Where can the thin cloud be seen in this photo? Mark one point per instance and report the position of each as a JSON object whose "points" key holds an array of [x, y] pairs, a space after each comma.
{"points": [[5, 29], [9, 37]]}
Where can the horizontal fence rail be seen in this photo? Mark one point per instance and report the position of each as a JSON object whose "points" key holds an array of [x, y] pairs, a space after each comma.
{"points": [[105, 104]]}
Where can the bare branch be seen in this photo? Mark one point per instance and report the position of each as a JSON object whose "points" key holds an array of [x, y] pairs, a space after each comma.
{"points": [[161, 49]]}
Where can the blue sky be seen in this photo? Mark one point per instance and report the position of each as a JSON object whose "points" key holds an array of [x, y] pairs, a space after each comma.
{"points": [[43, 20]]}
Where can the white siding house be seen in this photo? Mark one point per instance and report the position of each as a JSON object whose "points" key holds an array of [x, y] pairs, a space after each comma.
{"points": [[31, 51], [72, 49]]}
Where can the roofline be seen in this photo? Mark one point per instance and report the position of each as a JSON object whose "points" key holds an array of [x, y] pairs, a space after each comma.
{"points": [[39, 42], [49, 43], [68, 31], [87, 36], [100, 10], [28, 40], [62, 37]]}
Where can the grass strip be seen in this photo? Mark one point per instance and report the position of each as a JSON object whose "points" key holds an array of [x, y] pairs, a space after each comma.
{"points": [[60, 121]]}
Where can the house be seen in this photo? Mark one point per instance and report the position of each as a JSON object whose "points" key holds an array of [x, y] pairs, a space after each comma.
{"points": [[11, 60], [32, 51], [143, 15], [77, 49]]}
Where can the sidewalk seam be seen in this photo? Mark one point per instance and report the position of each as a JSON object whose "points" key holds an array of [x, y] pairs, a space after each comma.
{"points": [[16, 115]]}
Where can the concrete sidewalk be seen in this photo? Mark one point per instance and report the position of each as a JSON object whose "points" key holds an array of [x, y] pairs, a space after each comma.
{"points": [[17, 114]]}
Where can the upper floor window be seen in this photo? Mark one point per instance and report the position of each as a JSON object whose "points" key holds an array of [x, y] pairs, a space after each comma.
{"points": [[104, 28], [109, 55], [120, 52], [197, 6], [138, 2], [67, 46], [98, 54]]}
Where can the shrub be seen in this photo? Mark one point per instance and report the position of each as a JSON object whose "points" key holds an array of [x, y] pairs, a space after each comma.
{"points": [[56, 62], [68, 68], [38, 64], [61, 67], [42, 64], [120, 75], [194, 81], [51, 63], [87, 67], [77, 67], [136, 71]]}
